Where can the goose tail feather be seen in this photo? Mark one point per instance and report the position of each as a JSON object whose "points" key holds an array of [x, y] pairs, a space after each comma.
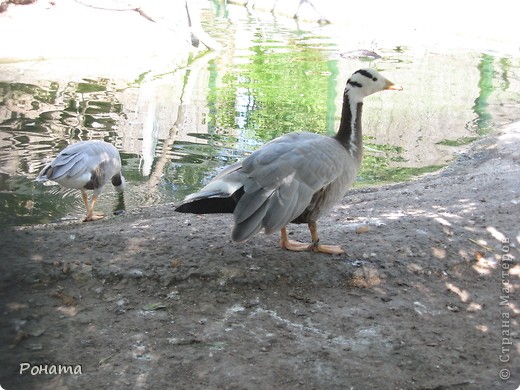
{"points": [[219, 196]]}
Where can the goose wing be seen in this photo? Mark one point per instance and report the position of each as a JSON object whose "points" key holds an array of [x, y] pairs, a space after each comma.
{"points": [[75, 165], [281, 178]]}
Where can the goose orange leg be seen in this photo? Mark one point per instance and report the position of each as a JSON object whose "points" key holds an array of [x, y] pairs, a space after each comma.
{"points": [[90, 209], [291, 245], [317, 247]]}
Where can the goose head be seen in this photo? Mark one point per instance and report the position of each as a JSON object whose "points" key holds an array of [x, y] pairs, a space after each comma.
{"points": [[365, 82], [119, 182]]}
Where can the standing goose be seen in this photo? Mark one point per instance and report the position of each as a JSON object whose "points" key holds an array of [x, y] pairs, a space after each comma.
{"points": [[294, 178], [87, 165]]}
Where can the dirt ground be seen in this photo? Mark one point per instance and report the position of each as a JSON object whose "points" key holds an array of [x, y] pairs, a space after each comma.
{"points": [[424, 298]]}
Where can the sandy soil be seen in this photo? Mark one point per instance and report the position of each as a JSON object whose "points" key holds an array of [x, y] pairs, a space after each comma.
{"points": [[423, 299]]}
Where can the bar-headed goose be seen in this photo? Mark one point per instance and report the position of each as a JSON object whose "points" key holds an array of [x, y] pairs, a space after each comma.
{"points": [[294, 178], [87, 165]]}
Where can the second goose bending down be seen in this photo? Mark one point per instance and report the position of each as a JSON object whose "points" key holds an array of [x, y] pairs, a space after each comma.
{"points": [[294, 178], [86, 165]]}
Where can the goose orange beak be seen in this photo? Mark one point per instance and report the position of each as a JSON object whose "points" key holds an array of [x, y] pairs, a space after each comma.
{"points": [[392, 86]]}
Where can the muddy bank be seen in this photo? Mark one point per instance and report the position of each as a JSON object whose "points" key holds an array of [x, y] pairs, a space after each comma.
{"points": [[155, 299]]}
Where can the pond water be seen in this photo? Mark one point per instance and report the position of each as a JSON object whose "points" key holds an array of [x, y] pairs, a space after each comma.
{"points": [[176, 129]]}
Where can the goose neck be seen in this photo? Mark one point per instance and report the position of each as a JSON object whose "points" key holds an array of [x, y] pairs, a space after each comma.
{"points": [[349, 133]]}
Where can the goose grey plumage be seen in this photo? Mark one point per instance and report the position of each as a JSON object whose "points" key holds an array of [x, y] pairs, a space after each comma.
{"points": [[294, 178], [86, 165]]}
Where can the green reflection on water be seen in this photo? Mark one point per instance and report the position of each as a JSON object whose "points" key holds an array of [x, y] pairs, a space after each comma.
{"points": [[21, 204], [274, 93], [279, 89], [458, 142], [377, 170], [485, 86]]}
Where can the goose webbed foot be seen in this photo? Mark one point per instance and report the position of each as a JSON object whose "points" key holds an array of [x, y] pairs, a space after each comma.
{"points": [[296, 246], [93, 217], [328, 249]]}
